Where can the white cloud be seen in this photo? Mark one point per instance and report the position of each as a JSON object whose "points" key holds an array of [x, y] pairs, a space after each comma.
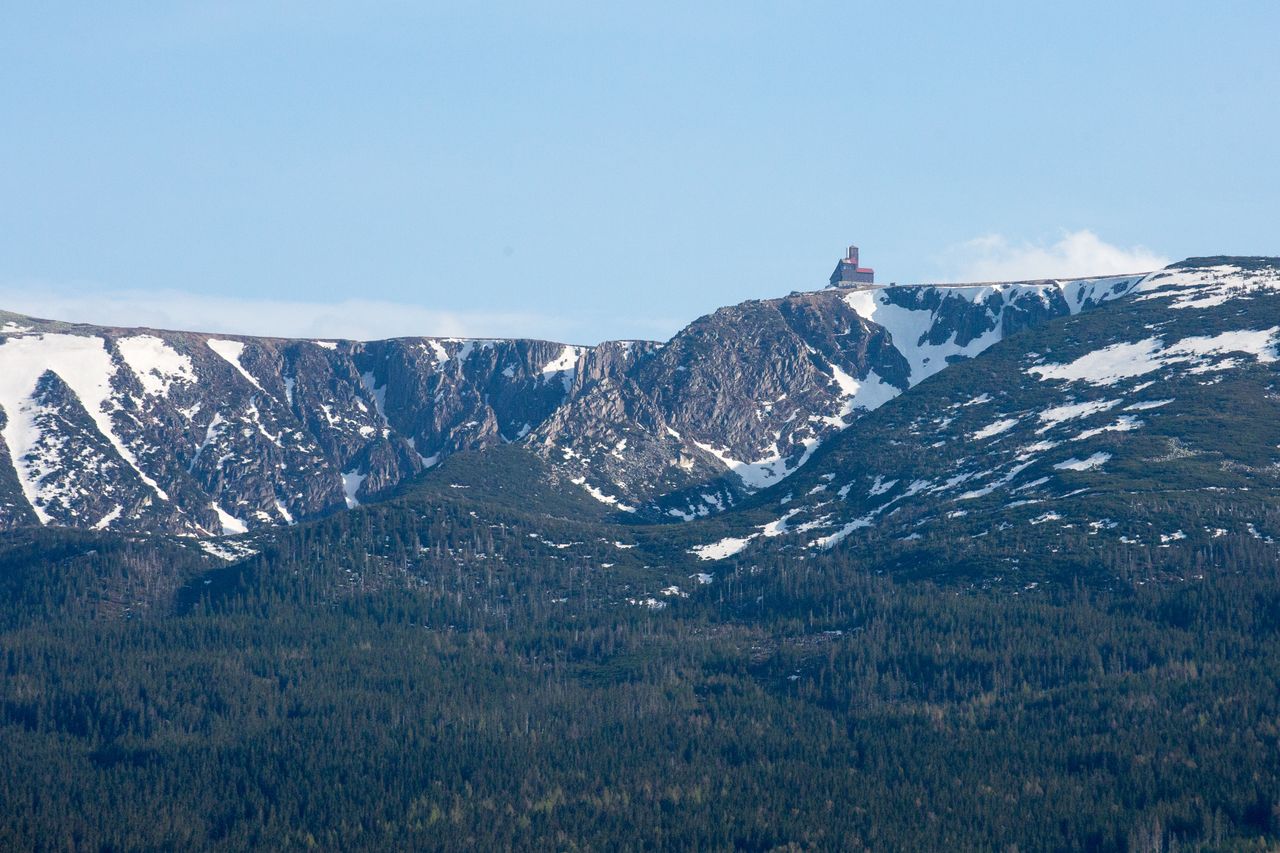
{"points": [[1077, 253], [354, 319]]}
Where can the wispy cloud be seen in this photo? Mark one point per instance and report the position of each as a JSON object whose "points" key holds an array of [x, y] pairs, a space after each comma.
{"points": [[995, 257], [354, 319]]}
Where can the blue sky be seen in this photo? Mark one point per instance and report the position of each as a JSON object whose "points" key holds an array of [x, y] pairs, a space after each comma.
{"points": [[582, 171]]}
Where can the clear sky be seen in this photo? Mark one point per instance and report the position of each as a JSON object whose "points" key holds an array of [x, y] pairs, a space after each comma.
{"points": [[584, 170]]}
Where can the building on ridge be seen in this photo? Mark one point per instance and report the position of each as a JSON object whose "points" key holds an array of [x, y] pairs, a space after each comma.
{"points": [[849, 274]]}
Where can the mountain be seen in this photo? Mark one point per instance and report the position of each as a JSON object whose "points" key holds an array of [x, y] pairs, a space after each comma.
{"points": [[146, 430], [1141, 437], [1036, 570], [740, 399], [1138, 441], [206, 435]]}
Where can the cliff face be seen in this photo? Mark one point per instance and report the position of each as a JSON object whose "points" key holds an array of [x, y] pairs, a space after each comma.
{"points": [[138, 429], [192, 433], [741, 398]]}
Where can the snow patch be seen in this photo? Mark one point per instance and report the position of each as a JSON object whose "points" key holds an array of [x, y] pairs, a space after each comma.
{"points": [[909, 329], [843, 533], [1205, 287], [881, 485], [211, 433], [378, 393], [601, 496], [230, 352], [867, 394], [230, 524], [1124, 423], [726, 547], [1117, 362], [1097, 460], [157, 365], [351, 483], [1058, 414], [441, 354], [1150, 404], [565, 366], [993, 429], [106, 521], [766, 471], [997, 484], [778, 526], [227, 549]]}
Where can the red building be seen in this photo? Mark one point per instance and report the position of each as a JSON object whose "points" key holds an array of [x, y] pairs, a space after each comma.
{"points": [[848, 273]]}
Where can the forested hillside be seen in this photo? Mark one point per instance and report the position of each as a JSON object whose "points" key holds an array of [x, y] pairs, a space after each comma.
{"points": [[1031, 603], [807, 704]]}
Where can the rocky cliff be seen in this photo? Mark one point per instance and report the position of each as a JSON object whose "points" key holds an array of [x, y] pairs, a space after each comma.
{"points": [[190, 433]]}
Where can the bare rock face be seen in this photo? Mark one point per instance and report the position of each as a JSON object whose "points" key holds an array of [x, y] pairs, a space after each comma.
{"points": [[741, 398], [205, 435]]}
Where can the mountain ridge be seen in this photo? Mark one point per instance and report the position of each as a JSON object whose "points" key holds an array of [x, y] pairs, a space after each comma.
{"points": [[1179, 379], [274, 430]]}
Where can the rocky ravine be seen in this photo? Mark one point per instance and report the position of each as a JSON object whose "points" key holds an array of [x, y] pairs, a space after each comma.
{"points": [[189, 433]]}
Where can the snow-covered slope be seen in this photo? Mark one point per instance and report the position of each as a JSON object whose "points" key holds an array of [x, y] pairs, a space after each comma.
{"points": [[741, 399], [128, 429], [212, 435], [1086, 425]]}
